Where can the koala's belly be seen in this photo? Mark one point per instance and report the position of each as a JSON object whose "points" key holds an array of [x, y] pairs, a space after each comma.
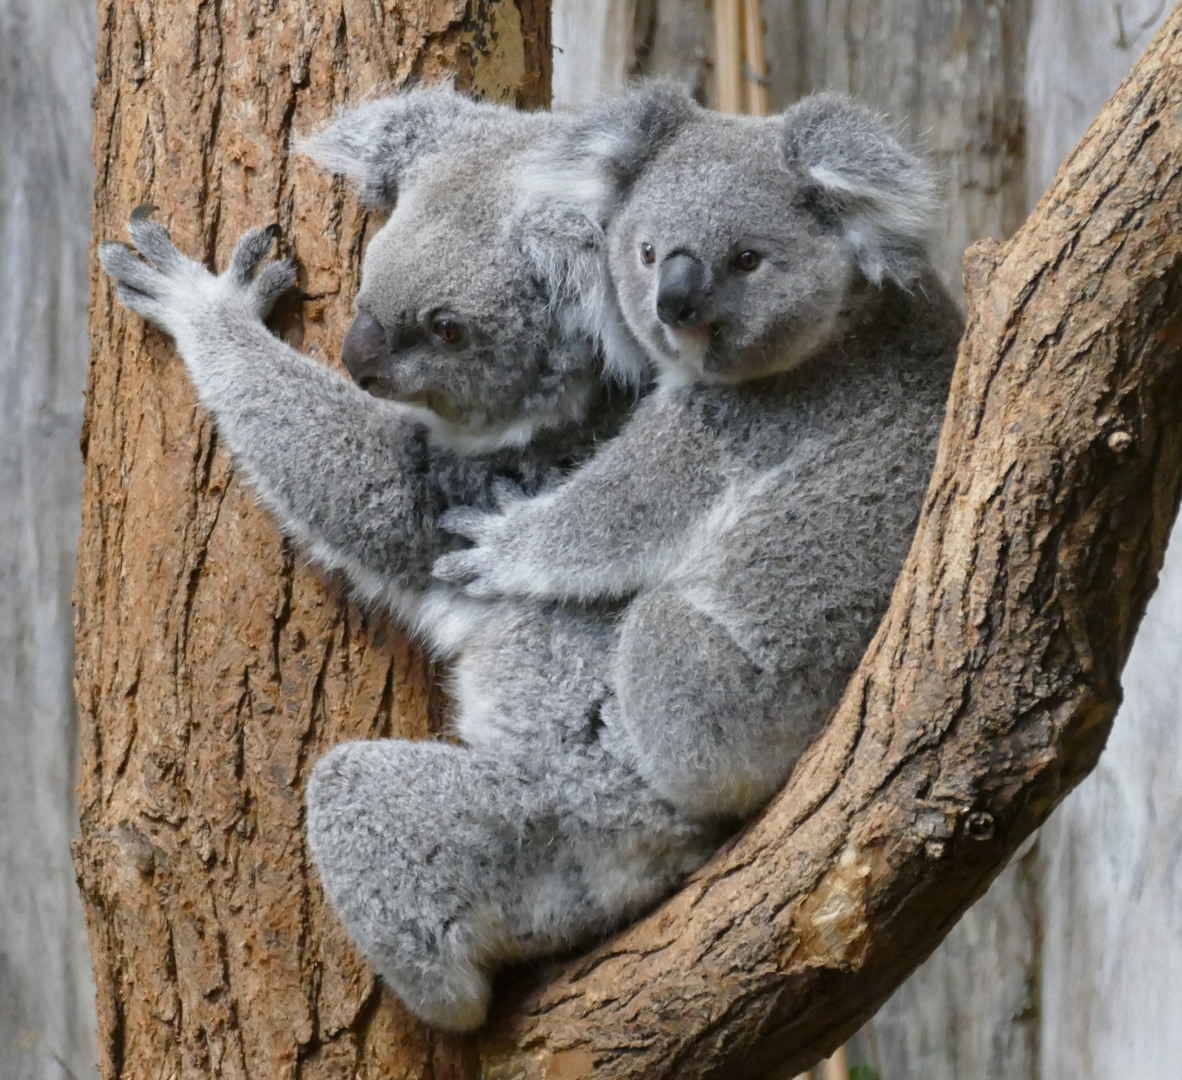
{"points": [[536, 676]]}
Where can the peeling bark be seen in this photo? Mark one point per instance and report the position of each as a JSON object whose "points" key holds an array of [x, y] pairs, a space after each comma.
{"points": [[987, 693], [213, 667]]}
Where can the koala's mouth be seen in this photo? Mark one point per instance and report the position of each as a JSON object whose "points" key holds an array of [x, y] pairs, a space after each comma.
{"points": [[691, 344]]}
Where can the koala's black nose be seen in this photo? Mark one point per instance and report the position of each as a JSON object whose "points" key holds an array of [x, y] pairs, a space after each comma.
{"points": [[364, 349], [681, 291]]}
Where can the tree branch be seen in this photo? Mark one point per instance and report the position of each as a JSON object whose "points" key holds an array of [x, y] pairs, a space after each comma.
{"points": [[988, 691]]}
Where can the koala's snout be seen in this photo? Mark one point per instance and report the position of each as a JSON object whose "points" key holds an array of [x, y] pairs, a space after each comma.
{"points": [[364, 349], [681, 291]]}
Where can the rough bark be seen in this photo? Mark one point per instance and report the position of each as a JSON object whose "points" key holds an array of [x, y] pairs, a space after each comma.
{"points": [[1067, 969], [989, 690], [46, 1001], [213, 667], [1111, 925]]}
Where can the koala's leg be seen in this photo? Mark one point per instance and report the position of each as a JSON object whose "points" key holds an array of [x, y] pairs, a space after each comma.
{"points": [[708, 727], [351, 477], [404, 838], [444, 863]]}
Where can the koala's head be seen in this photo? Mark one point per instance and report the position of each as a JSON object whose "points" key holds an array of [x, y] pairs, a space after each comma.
{"points": [[475, 311], [739, 245]]}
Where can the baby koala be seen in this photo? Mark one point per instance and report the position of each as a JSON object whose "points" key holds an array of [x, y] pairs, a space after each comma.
{"points": [[756, 510]]}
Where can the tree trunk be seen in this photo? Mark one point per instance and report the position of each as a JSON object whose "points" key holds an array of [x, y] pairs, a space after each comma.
{"points": [[1068, 968], [213, 667], [594, 49], [955, 71]]}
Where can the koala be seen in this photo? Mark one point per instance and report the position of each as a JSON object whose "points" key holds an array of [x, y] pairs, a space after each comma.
{"points": [[487, 349], [488, 355], [754, 511]]}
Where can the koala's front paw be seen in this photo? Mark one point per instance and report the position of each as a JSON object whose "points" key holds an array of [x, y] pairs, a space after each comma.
{"points": [[491, 567], [155, 280]]}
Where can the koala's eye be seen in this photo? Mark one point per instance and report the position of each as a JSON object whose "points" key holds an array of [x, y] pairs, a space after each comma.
{"points": [[448, 330], [747, 261], [648, 254]]}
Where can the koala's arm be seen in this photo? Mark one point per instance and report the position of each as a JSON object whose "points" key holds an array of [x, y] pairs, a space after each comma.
{"points": [[352, 478], [612, 527]]}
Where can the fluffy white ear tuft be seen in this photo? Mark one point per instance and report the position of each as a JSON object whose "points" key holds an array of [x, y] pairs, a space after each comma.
{"points": [[597, 157], [376, 142], [885, 197]]}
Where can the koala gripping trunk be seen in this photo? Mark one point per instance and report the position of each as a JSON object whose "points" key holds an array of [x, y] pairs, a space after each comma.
{"points": [[213, 665]]}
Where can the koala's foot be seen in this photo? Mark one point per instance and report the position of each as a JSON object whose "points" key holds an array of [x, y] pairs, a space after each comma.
{"points": [[444, 862], [155, 280], [397, 833]]}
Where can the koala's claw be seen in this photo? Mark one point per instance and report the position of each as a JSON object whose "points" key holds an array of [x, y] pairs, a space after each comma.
{"points": [[465, 570], [506, 492], [252, 248], [156, 280], [272, 282], [152, 240], [130, 272], [476, 570], [468, 522]]}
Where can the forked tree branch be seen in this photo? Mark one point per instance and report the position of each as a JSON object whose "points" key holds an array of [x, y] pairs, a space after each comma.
{"points": [[990, 688]]}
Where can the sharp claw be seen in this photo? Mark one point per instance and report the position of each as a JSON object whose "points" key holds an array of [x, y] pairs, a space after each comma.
{"points": [[143, 212], [273, 231]]}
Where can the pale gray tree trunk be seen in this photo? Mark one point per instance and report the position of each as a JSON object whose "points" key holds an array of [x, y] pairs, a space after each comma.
{"points": [[46, 65], [951, 69], [594, 49], [1110, 860]]}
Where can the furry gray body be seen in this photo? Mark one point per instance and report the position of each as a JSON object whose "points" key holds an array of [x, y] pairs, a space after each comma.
{"points": [[756, 509], [610, 743]]}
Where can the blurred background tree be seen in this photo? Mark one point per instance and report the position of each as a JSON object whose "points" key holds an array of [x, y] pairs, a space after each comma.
{"points": [[1068, 968]]}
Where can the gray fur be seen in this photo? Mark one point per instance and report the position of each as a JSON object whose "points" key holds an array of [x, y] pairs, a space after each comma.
{"points": [[757, 508], [607, 746], [442, 860], [446, 861], [360, 482]]}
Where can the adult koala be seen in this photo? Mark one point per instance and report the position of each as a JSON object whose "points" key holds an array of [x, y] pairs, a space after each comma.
{"points": [[488, 339], [757, 508]]}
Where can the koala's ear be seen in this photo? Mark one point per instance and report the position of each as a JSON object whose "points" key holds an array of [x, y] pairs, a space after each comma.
{"points": [[374, 143], [884, 196], [597, 156]]}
